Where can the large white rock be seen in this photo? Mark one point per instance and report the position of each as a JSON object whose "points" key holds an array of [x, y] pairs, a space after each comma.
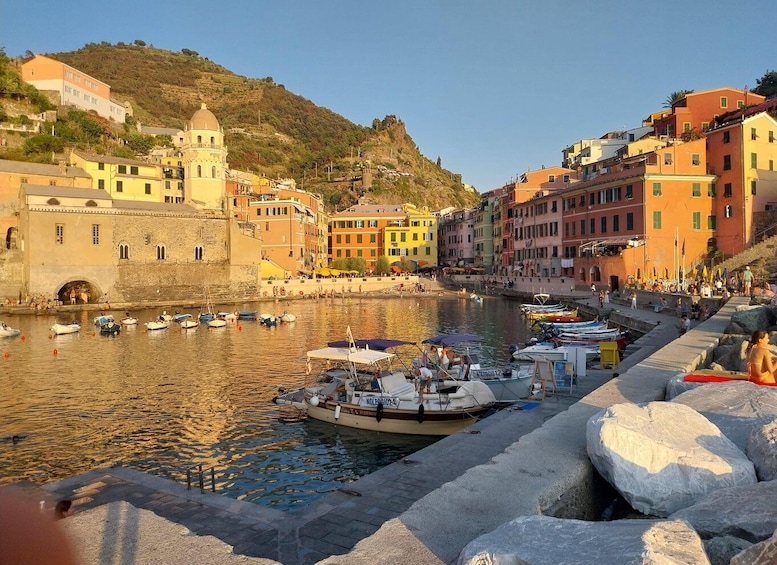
{"points": [[663, 456], [530, 540], [747, 512], [736, 407], [677, 385], [764, 553], [762, 451]]}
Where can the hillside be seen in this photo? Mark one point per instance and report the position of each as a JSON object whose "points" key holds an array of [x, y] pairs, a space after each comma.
{"points": [[273, 131]]}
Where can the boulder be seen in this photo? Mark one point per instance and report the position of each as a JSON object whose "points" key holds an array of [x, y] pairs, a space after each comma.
{"points": [[733, 328], [747, 512], [663, 456], [721, 550], [751, 318], [543, 539], [762, 451], [735, 407], [677, 385], [764, 553]]}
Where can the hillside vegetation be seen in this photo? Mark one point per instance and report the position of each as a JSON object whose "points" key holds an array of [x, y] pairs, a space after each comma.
{"points": [[268, 129]]}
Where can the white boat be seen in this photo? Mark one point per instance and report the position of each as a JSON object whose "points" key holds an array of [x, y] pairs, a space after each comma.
{"points": [[129, 321], [286, 317], [159, 324], [508, 385], [551, 352], [8, 331], [370, 393], [186, 322], [475, 298], [228, 316], [165, 316], [62, 329], [217, 322]]}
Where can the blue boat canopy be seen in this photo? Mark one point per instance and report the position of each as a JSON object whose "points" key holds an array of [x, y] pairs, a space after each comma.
{"points": [[374, 344], [450, 339]]}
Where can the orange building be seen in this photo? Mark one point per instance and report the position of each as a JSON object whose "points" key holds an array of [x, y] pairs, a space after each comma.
{"points": [[75, 88], [742, 152], [697, 110], [647, 218]]}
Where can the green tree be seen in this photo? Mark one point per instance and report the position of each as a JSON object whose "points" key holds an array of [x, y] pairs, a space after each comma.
{"points": [[140, 43], [382, 265], [43, 143], [675, 97], [767, 84], [139, 143]]}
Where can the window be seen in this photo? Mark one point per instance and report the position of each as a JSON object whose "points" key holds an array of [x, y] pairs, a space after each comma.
{"points": [[604, 224], [124, 251], [726, 162], [551, 178], [372, 223], [711, 223], [338, 238], [705, 126], [101, 184], [695, 160], [771, 136], [696, 220], [726, 136], [403, 236], [123, 169], [711, 189], [728, 210], [59, 234], [52, 182], [753, 160], [753, 187], [199, 170], [724, 102], [167, 185], [148, 188], [740, 104], [593, 226], [582, 227], [696, 189], [566, 178], [100, 166], [657, 220], [213, 172], [591, 199], [373, 238], [686, 126], [358, 238], [582, 200], [629, 221], [727, 192], [347, 238], [133, 170], [656, 189], [198, 252], [119, 186], [629, 191], [753, 134], [160, 252], [393, 237], [95, 234], [616, 223]]}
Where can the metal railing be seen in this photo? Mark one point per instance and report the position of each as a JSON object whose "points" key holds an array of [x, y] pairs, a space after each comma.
{"points": [[201, 478]]}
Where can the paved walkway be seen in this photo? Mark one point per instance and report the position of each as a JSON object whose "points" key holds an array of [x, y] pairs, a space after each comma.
{"points": [[336, 523]]}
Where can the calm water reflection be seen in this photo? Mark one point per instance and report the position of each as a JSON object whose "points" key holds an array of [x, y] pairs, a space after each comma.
{"points": [[166, 401]]}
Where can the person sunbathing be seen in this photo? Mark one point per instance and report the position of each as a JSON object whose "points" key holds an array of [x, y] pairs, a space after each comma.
{"points": [[761, 367]]}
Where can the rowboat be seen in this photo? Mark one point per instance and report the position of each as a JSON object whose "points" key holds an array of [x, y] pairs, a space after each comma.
{"points": [[160, 324], [544, 315]]}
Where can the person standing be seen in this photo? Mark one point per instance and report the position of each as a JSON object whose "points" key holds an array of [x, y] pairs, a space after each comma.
{"points": [[73, 295], [601, 299], [633, 300], [606, 296], [747, 278]]}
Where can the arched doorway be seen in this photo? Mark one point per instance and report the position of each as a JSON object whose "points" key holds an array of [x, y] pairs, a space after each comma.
{"points": [[79, 292], [596, 274], [10, 238]]}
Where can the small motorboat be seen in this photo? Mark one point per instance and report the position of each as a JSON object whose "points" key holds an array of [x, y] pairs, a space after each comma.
{"points": [[8, 331], [103, 319], [160, 324], [111, 328], [62, 329], [246, 315], [268, 320], [165, 316], [217, 322], [286, 317], [186, 322], [128, 320], [228, 316]]}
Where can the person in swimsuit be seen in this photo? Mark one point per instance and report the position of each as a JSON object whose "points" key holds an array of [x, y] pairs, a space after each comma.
{"points": [[761, 367]]}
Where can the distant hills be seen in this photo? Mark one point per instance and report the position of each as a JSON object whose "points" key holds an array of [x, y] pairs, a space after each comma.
{"points": [[273, 131]]}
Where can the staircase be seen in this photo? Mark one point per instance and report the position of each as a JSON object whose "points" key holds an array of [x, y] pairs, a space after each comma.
{"points": [[765, 250]]}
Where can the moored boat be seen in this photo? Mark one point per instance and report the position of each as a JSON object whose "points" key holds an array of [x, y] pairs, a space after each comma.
{"points": [[217, 322], [371, 393], [552, 352], [128, 320], [110, 328], [287, 317], [103, 319], [246, 315], [158, 324], [8, 331], [62, 329]]}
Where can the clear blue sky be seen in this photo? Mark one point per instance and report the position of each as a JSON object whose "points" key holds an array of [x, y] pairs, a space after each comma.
{"points": [[492, 87]]}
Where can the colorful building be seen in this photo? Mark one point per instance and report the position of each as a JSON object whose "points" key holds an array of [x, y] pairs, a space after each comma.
{"points": [[123, 179], [75, 88]]}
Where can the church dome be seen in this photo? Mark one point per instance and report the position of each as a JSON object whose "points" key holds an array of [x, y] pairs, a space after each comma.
{"points": [[204, 119]]}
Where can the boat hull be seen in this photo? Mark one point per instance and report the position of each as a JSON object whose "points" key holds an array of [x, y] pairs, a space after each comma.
{"points": [[63, 329], [434, 423]]}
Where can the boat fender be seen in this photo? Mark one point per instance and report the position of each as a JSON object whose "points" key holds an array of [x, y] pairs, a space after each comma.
{"points": [[314, 401], [420, 416], [379, 412], [337, 412]]}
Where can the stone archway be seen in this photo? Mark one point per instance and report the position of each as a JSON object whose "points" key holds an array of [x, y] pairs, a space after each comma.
{"points": [[79, 292]]}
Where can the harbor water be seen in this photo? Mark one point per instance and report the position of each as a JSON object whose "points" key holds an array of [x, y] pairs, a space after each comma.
{"points": [[167, 401]]}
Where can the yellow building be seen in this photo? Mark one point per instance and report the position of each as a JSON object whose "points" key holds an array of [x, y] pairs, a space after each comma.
{"points": [[123, 179], [413, 239], [204, 158]]}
